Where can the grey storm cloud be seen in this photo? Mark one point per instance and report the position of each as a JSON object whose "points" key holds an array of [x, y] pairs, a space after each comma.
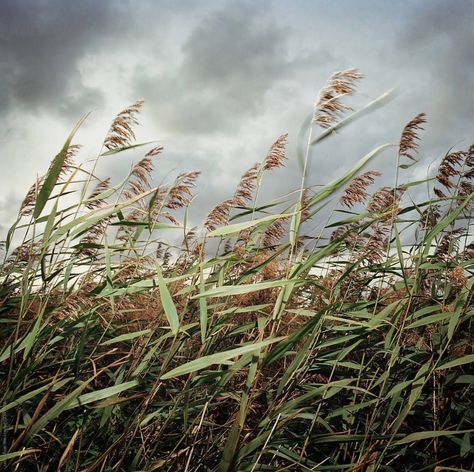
{"points": [[41, 43], [440, 40], [228, 63]]}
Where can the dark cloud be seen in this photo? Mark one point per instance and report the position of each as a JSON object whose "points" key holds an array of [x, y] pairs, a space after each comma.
{"points": [[438, 18], [229, 62], [437, 46], [41, 43]]}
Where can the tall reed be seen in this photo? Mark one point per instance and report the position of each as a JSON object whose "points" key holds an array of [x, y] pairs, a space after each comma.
{"points": [[349, 348]]}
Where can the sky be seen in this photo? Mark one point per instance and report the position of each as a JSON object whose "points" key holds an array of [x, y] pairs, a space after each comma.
{"points": [[223, 79]]}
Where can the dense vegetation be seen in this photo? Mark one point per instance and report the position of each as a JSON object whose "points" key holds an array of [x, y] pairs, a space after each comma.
{"points": [[326, 330]]}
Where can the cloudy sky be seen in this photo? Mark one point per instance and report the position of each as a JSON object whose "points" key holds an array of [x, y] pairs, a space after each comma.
{"points": [[223, 79]]}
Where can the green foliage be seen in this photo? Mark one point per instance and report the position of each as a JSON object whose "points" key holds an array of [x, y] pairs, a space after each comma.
{"points": [[257, 345]]}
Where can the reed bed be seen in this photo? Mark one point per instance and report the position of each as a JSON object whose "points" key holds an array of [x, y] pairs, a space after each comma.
{"points": [[257, 343]]}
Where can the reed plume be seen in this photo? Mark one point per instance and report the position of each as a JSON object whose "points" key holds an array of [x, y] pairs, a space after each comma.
{"points": [[247, 185], [468, 252], [275, 158], [329, 107], [455, 173], [465, 188], [277, 154], [449, 168], [180, 194], [457, 277], [429, 218], [69, 162], [469, 172], [190, 236], [305, 205], [90, 242], [92, 203], [348, 232], [409, 140], [275, 232], [219, 215], [384, 199], [154, 151], [356, 191], [376, 245], [448, 246], [28, 204], [121, 131], [140, 178]]}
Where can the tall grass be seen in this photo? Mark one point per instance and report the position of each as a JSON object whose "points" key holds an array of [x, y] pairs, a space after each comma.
{"points": [[273, 337]]}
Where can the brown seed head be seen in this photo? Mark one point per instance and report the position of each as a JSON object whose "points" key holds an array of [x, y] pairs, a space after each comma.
{"points": [[356, 191], [121, 130], [408, 141], [29, 201], [247, 185], [457, 277], [329, 106], [305, 208], [180, 194], [219, 215], [68, 162], [429, 218], [450, 167], [384, 199], [448, 246], [275, 232], [92, 202], [154, 151], [277, 153]]}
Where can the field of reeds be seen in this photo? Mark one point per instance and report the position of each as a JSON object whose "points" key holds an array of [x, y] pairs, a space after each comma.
{"points": [[256, 342]]}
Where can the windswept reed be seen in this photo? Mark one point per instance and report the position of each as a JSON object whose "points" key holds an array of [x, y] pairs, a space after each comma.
{"points": [[132, 340]]}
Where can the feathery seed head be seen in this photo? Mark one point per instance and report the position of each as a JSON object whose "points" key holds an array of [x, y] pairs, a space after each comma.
{"points": [[277, 153], [356, 191], [408, 141], [121, 130], [329, 107]]}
